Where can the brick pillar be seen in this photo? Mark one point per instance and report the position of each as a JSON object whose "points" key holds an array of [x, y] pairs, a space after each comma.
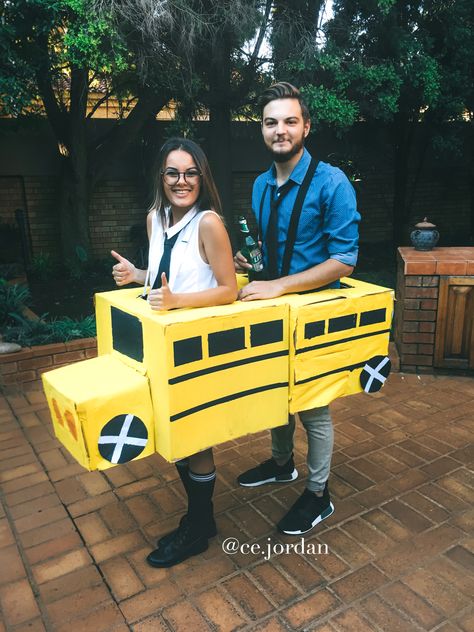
{"points": [[415, 314], [416, 309]]}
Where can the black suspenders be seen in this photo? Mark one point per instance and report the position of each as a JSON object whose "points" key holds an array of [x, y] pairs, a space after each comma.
{"points": [[295, 216]]}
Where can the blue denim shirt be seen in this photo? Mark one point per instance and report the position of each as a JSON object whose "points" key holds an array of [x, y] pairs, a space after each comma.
{"points": [[328, 225]]}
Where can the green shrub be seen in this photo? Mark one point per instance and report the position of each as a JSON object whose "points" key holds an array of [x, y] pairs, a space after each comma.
{"points": [[28, 333], [43, 266], [13, 299]]}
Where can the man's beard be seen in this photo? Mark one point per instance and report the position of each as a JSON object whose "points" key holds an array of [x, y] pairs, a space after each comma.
{"points": [[287, 155]]}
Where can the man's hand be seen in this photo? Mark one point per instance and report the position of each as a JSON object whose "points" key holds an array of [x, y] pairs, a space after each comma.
{"points": [[163, 298], [124, 271], [240, 263], [257, 290]]}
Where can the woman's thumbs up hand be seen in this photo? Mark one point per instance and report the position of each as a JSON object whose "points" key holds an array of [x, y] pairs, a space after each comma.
{"points": [[124, 271], [163, 298]]}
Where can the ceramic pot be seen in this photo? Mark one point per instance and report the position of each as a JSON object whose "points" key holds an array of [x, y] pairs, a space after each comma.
{"points": [[425, 236]]}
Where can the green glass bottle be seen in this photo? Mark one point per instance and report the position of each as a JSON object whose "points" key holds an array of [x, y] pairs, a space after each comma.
{"points": [[250, 250]]}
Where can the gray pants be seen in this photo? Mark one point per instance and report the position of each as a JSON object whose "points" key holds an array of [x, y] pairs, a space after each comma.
{"points": [[320, 433]]}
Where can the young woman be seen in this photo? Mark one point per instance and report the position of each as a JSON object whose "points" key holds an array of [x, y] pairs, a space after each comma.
{"points": [[190, 265]]}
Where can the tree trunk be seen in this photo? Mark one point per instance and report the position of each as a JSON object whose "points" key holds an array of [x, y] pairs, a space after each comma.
{"points": [[74, 192], [74, 214], [85, 165]]}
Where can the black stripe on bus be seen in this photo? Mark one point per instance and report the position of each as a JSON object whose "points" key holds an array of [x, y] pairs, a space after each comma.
{"points": [[228, 365], [227, 398], [338, 342], [351, 367]]}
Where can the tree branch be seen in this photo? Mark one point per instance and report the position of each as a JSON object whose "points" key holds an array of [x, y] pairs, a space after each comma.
{"points": [[98, 103], [261, 34], [56, 115], [116, 141]]}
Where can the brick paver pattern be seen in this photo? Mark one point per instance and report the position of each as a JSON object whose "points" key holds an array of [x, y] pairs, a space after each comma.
{"points": [[397, 554]]}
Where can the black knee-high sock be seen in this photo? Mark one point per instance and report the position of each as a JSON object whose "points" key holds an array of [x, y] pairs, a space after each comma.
{"points": [[182, 468], [200, 491]]}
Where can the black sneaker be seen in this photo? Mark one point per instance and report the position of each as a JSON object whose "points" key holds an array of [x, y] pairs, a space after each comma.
{"points": [[210, 530], [308, 511], [188, 541], [269, 472]]}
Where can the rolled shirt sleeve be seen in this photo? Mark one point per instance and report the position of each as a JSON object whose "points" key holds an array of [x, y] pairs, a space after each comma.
{"points": [[341, 219]]}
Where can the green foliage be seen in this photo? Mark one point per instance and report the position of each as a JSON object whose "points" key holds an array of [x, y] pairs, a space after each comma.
{"points": [[90, 40], [43, 266], [13, 299], [42, 40], [389, 58], [28, 333], [16, 328], [330, 106]]}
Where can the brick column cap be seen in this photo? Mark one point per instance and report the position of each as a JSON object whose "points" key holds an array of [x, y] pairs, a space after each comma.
{"points": [[457, 260]]}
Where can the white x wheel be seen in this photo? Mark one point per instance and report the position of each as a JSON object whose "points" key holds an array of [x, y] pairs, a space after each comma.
{"points": [[123, 438], [374, 373]]}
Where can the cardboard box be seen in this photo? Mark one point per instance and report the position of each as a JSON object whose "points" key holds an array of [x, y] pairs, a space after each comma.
{"points": [[199, 377]]}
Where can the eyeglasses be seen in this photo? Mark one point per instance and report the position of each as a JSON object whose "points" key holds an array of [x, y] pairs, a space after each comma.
{"points": [[172, 176]]}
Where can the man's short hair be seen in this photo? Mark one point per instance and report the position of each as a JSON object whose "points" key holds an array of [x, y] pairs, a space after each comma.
{"points": [[283, 90]]}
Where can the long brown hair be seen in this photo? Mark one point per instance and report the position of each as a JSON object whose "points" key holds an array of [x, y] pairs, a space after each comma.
{"points": [[208, 195]]}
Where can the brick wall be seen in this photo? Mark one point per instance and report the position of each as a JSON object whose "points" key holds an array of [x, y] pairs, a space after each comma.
{"points": [[116, 206], [41, 203], [12, 197], [28, 364], [120, 201], [416, 310]]}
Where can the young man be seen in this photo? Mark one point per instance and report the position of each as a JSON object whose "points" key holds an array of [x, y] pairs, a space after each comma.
{"points": [[314, 250]]}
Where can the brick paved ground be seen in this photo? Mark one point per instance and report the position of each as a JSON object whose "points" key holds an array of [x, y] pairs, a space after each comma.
{"points": [[400, 542]]}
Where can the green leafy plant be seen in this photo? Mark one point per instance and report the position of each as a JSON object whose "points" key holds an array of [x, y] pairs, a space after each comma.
{"points": [[43, 266], [13, 299], [29, 333]]}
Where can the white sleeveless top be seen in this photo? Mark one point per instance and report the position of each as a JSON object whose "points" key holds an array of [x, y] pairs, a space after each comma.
{"points": [[188, 271]]}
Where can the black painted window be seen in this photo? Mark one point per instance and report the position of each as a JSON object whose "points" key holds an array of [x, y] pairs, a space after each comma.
{"points": [[187, 350], [127, 334], [342, 322], [226, 341], [372, 317], [266, 333], [316, 328]]}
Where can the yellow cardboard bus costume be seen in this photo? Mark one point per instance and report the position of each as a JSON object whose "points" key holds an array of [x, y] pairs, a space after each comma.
{"points": [[180, 381]]}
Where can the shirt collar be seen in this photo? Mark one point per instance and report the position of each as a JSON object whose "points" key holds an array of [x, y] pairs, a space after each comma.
{"points": [[184, 221], [298, 173]]}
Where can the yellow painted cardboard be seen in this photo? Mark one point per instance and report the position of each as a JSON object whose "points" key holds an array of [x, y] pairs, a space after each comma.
{"points": [[222, 393], [325, 367], [200, 377], [85, 396]]}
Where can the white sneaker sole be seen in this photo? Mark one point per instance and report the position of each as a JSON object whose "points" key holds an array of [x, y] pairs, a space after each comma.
{"points": [[319, 519], [273, 479]]}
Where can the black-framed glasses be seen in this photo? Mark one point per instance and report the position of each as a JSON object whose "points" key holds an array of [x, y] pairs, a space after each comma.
{"points": [[172, 176]]}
